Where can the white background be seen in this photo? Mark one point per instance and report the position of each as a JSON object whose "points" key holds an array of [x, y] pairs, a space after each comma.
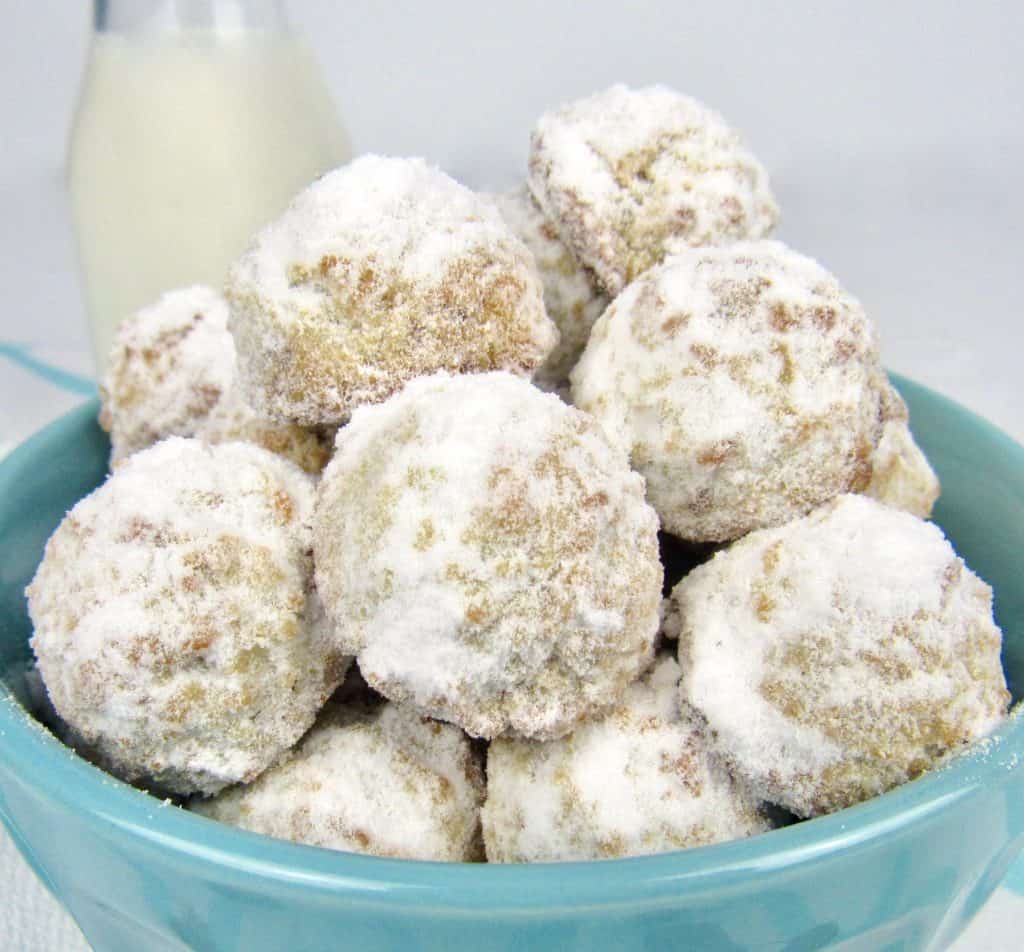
{"points": [[893, 132]]}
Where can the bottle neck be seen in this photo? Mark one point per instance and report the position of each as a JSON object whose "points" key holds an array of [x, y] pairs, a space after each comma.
{"points": [[170, 16]]}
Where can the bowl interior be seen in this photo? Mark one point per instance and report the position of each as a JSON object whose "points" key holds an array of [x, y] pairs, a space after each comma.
{"points": [[981, 510]]}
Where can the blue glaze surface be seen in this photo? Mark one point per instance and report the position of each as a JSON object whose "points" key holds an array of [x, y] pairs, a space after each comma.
{"points": [[905, 871]]}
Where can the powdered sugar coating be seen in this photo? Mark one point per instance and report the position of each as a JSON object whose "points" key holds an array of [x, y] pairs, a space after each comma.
{"points": [[380, 272], [386, 782], [840, 655], [488, 556], [901, 475], [172, 373], [745, 383], [638, 781], [570, 297], [629, 176], [176, 627]]}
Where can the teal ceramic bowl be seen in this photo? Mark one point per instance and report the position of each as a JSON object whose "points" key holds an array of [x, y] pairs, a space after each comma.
{"points": [[904, 871]]}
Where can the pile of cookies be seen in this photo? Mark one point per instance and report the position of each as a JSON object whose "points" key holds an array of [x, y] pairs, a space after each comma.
{"points": [[447, 436]]}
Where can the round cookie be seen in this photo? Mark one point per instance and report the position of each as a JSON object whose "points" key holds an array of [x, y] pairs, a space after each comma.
{"points": [[172, 373], [386, 782], [176, 627], [570, 297], [638, 781], [628, 176], [488, 555], [745, 383], [379, 272], [840, 655]]}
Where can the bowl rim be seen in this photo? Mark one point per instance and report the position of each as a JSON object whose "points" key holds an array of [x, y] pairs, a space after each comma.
{"points": [[32, 757]]}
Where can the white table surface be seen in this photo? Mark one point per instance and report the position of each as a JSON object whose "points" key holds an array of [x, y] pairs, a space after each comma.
{"points": [[893, 133]]}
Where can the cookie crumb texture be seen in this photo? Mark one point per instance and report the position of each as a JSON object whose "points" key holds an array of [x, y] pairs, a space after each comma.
{"points": [[570, 296], [172, 373], [629, 176], [379, 272], [488, 555], [176, 628], [638, 781], [839, 656], [901, 475], [745, 384], [386, 782]]}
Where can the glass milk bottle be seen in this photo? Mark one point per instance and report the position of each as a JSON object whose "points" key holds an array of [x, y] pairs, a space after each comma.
{"points": [[198, 121]]}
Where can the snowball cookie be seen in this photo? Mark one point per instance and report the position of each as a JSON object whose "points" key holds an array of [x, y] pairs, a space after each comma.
{"points": [[387, 782], [840, 655], [380, 272], [488, 555], [744, 381], [176, 627], [638, 781], [570, 297], [172, 373], [630, 175], [901, 475]]}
